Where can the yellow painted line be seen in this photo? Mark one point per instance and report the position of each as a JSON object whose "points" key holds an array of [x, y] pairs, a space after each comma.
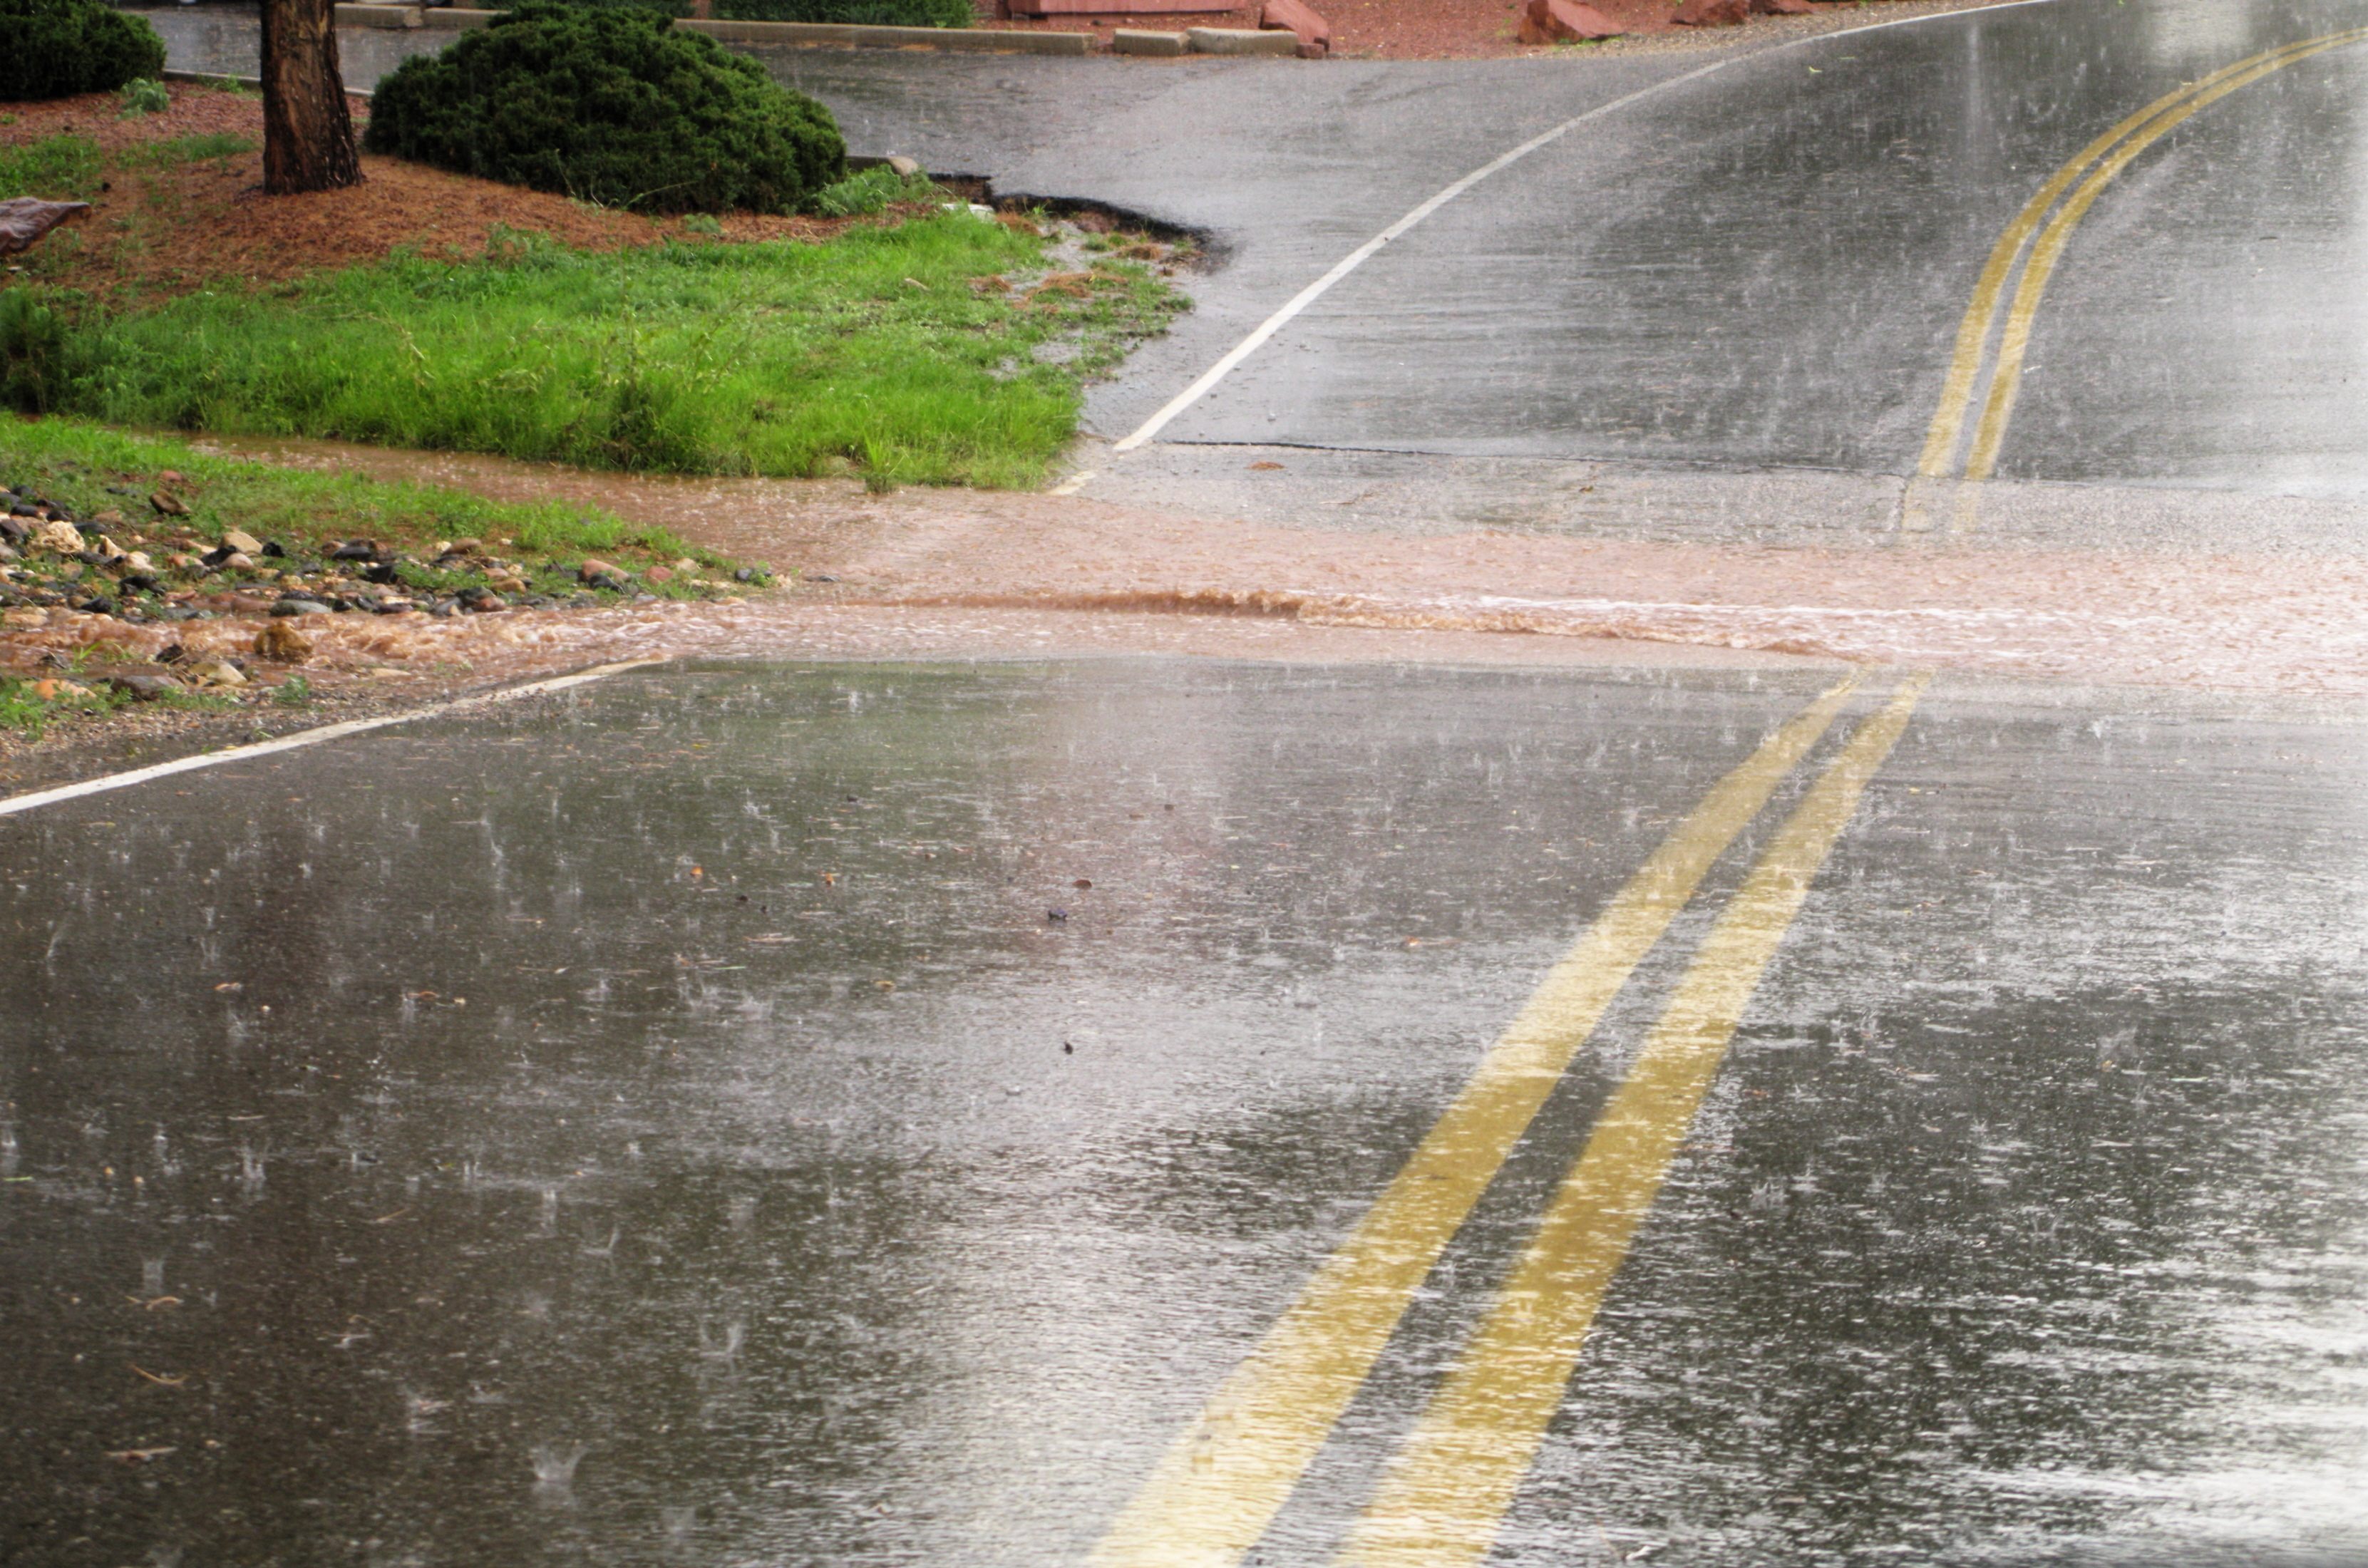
{"points": [[1220, 1483], [1947, 430], [2005, 381], [1445, 1495]]}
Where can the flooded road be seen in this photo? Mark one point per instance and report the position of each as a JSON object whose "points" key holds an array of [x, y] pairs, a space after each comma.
{"points": [[905, 1084], [861, 1114]]}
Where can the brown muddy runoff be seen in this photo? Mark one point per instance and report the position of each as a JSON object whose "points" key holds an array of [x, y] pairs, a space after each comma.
{"points": [[960, 573]]}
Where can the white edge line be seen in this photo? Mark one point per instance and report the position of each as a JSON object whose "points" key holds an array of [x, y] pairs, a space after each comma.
{"points": [[1356, 259], [16, 803]]}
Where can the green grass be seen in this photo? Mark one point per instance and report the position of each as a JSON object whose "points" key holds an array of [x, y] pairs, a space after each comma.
{"points": [[24, 710], [186, 150], [56, 168], [92, 469], [873, 350]]}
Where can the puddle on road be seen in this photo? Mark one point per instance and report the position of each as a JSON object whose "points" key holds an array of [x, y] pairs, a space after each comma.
{"points": [[852, 1114]]}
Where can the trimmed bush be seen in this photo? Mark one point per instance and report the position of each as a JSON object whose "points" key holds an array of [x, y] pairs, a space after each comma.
{"points": [[611, 105], [55, 49]]}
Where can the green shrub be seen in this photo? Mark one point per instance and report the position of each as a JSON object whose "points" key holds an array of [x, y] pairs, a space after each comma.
{"points": [[611, 105], [863, 13], [55, 49]]}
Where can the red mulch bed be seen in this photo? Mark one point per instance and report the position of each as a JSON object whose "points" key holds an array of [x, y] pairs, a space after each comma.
{"points": [[171, 229]]}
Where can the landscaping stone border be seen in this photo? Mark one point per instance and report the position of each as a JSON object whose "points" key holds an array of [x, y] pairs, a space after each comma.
{"points": [[836, 35]]}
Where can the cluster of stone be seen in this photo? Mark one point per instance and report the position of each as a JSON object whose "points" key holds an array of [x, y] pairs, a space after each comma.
{"points": [[101, 564]]}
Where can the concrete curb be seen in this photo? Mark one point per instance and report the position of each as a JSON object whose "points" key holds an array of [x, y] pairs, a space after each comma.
{"points": [[219, 79], [792, 35], [835, 35]]}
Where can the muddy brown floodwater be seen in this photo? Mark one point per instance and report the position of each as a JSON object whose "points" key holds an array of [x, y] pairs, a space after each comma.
{"points": [[957, 571]]}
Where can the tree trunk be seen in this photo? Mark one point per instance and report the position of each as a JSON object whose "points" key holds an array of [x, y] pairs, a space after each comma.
{"points": [[308, 132]]}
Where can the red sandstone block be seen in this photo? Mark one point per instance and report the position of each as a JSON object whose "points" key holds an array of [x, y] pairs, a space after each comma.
{"points": [[1565, 21], [1293, 15]]}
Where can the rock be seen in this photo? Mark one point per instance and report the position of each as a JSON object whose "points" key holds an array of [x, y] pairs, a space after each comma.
{"points": [[283, 644], [905, 168], [483, 601], [464, 547], [23, 620], [183, 561], [64, 537], [1240, 40], [107, 548], [1781, 7], [594, 567], [13, 527], [216, 672], [384, 575], [137, 583], [145, 689], [109, 519], [59, 691], [244, 543], [1712, 13], [356, 549], [392, 605], [1565, 21], [137, 560], [300, 607], [686, 566], [239, 561], [1142, 40], [1294, 17], [172, 505], [24, 220], [503, 583], [655, 575]]}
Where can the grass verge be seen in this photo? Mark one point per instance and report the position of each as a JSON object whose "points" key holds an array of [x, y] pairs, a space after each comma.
{"points": [[934, 347], [151, 511]]}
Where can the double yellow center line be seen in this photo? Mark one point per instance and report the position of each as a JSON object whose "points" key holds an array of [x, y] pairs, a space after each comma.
{"points": [[1219, 1485], [2007, 293]]}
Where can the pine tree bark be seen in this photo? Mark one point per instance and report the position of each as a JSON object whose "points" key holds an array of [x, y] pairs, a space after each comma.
{"points": [[308, 132]]}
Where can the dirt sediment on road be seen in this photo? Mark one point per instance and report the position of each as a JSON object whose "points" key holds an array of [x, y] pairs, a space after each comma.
{"points": [[2190, 617]]}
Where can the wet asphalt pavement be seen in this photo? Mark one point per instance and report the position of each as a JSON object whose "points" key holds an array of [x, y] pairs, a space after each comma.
{"points": [[667, 1122], [867, 1114], [1762, 266]]}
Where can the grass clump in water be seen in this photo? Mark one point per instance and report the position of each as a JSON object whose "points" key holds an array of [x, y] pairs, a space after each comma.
{"points": [[904, 352]]}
